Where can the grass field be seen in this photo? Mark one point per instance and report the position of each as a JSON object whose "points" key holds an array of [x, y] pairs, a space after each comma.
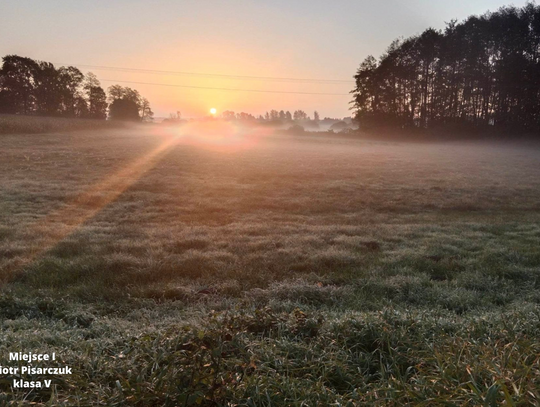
{"points": [[11, 124], [271, 270]]}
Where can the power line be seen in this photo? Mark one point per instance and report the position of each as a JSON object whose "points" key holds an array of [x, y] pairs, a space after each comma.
{"points": [[226, 89], [210, 75]]}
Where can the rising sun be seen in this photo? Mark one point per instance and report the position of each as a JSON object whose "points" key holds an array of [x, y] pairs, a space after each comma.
{"points": [[213, 110]]}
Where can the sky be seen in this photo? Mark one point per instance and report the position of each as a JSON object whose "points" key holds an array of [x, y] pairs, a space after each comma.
{"points": [[315, 39]]}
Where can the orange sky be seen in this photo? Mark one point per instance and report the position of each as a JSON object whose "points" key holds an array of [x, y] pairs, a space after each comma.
{"points": [[282, 38]]}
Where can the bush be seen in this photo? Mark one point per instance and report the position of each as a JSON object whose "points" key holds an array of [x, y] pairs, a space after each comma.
{"points": [[296, 129]]}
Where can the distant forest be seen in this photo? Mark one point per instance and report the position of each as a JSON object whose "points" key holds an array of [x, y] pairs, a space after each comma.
{"points": [[32, 87], [482, 73], [298, 121]]}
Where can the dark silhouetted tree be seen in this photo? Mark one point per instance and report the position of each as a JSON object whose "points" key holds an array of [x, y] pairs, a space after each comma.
{"points": [[71, 80], [299, 115], [18, 84], [48, 96], [96, 97], [35, 87], [147, 115], [124, 109], [481, 73]]}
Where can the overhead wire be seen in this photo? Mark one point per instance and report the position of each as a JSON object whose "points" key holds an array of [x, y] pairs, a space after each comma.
{"points": [[212, 75], [225, 89]]}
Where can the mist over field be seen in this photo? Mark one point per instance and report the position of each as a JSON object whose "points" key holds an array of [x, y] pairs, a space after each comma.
{"points": [[313, 261], [279, 204]]}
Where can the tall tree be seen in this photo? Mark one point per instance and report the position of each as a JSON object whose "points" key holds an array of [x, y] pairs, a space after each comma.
{"points": [[288, 116], [122, 99], [96, 97], [18, 84], [71, 80], [47, 90], [124, 109], [147, 115], [299, 115], [481, 73]]}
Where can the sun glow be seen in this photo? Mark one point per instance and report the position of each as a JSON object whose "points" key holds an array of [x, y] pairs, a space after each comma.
{"points": [[213, 111]]}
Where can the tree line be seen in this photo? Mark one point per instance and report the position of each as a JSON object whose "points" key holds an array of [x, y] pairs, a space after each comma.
{"points": [[483, 72], [287, 116], [271, 116], [30, 87]]}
